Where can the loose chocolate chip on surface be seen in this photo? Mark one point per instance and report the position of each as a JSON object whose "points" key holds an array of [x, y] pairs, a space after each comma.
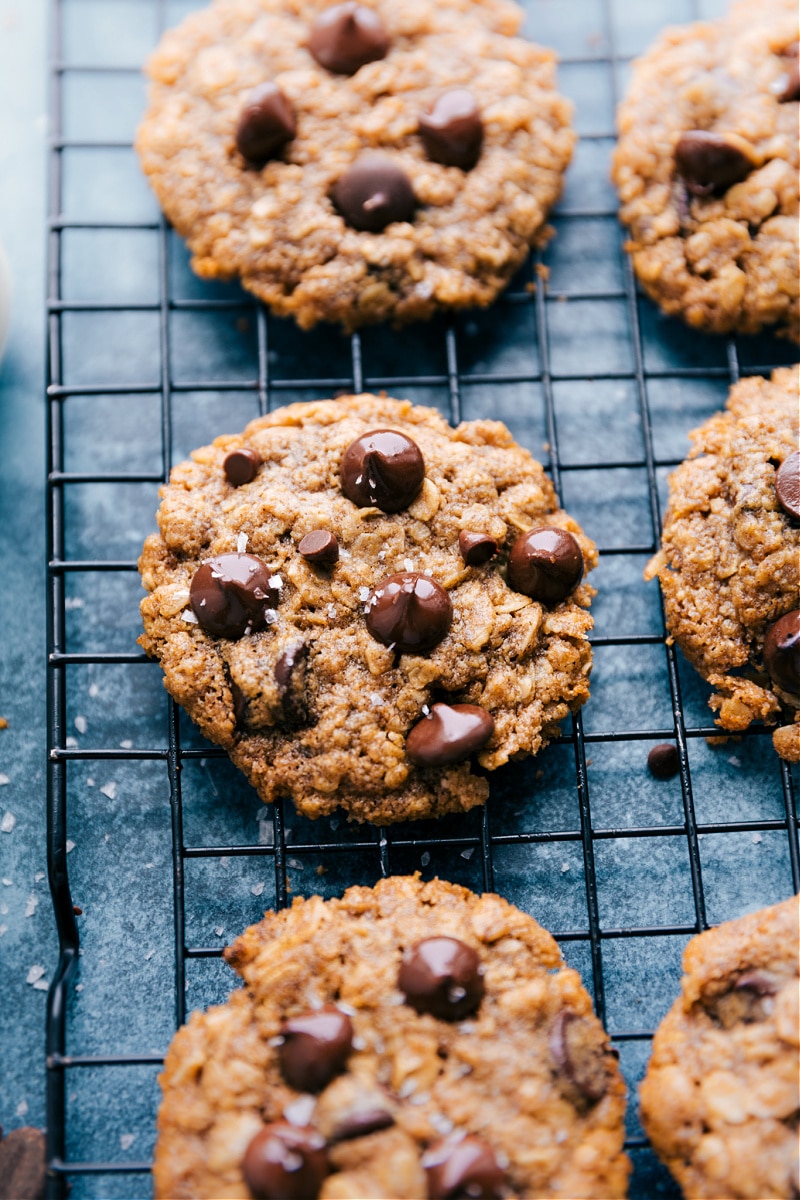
{"points": [[449, 734], [545, 564], [787, 485], [231, 593], [315, 1048], [266, 123], [374, 192], [464, 1169], [320, 548], [285, 1162], [384, 469], [409, 612], [782, 651], [476, 548], [290, 680], [452, 132], [663, 761], [362, 1122], [241, 466], [346, 36], [578, 1055], [710, 162], [442, 976]]}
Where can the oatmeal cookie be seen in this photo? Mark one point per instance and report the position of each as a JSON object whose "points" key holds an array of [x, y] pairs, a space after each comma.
{"points": [[356, 600], [409, 1040], [720, 1100], [707, 170], [356, 162], [729, 564]]}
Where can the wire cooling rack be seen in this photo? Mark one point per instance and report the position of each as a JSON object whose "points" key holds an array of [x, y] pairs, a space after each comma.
{"points": [[158, 854]]}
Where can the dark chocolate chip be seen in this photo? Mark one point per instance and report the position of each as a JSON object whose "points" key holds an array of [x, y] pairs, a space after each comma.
{"points": [[315, 1048], [409, 612], [462, 1170], [362, 1122], [384, 469], [346, 36], [578, 1055], [285, 1162], [787, 485], [782, 652], [374, 192], [241, 466], [710, 162], [449, 734], [545, 564], [239, 703], [266, 124], [231, 594], [790, 89], [663, 761], [476, 548], [290, 680], [442, 976], [452, 132], [320, 548]]}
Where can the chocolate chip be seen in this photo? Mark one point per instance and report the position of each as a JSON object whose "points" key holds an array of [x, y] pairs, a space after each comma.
{"points": [[285, 1162], [239, 703], [231, 594], [361, 1123], [315, 1048], [789, 85], [290, 680], [452, 132], [384, 469], [749, 1001], [241, 466], [578, 1055], [266, 123], [710, 162], [409, 612], [759, 982], [663, 761], [346, 36], [782, 651], [449, 734], [545, 564], [442, 976], [476, 548], [320, 548], [462, 1170], [373, 193], [787, 485]]}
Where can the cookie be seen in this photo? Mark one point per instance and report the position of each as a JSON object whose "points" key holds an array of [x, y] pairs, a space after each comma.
{"points": [[358, 601], [707, 170], [356, 162], [729, 564], [409, 1040], [720, 1099]]}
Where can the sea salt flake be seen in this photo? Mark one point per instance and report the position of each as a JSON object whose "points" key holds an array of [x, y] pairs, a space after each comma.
{"points": [[363, 594], [266, 833], [408, 563], [257, 889], [22, 1108], [241, 543], [757, 838], [270, 616], [425, 859], [188, 616], [126, 1140], [71, 743], [375, 699], [219, 930], [468, 853], [70, 845], [295, 864], [331, 612], [126, 744], [36, 972], [276, 581], [73, 602], [224, 860], [78, 987], [3, 930], [31, 905], [81, 724], [94, 690], [441, 1123], [7, 882], [564, 868], [8, 822], [90, 782], [4, 779], [734, 761], [109, 789], [38, 877], [41, 985], [149, 955], [300, 1110]]}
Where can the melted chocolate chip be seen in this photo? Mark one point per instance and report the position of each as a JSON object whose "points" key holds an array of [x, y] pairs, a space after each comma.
{"points": [[285, 1162], [315, 1048], [266, 124], [362, 1122], [230, 595], [290, 680], [449, 734], [476, 548], [409, 612], [384, 469], [241, 466], [578, 1056], [320, 548], [452, 132], [787, 485], [710, 162], [789, 86], [463, 1170], [346, 36], [782, 651], [374, 192], [239, 703], [545, 564], [442, 976], [663, 761]]}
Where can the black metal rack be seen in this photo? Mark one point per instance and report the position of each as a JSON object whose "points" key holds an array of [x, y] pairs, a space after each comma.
{"points": [[366, 851]]}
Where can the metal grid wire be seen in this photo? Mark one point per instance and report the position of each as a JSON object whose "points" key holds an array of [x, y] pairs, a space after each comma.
{"points": [[476, 839]]}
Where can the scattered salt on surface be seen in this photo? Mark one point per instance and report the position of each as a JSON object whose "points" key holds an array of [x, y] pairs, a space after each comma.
{"points": [[224, 861], [149, 955], [4, 779], [3, 929], [276, 581], [109, 789], [70, 845], [90, 783], [257, 889], [757, 838], [295, 864], [219, 930], [78, 987], [468, 853], [36, 972], [41, 985], [73, 602], [188, 616], [22, 1108], [7, 882], [31, 905], [408, 563], [734, 761], [71, 743], [241, 543], [8, 822], [126, 744], [94, 690], [425, 859], [81, 724], [300, 1110], [266, 833], [363, 594], [38, 877], [126, 1140]]}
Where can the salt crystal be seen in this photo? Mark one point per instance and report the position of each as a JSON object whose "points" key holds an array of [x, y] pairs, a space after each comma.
{"points": [[407, 1088], [270, 616], [94, 690], [358, 1043], [425, 859], [757, 838], [31, 905], [70, 845], [149, 866], [73, 602], [3, 929], [375, 699], [7, 882], [408, 563], [295, 864], [38, 877], [149, 955], [188, 616], [36, 972], [257, 889], [344, 553], [468, 853], [22, 1108], [71, 743], [441, 1123], [331, 612], [41, 985], [266, 833], [109, 789], [564, 868], [126, 744], [241, 543], [8, 822], [219, 930], [126, 1140], [381, 555], [300, 1110], [78, 987], [262, 812], [363, 594], [346, 1008], [4, 909], [223, 860], [4, 779], [734, 761], [90, 783], [81, 724], [276, 581]]}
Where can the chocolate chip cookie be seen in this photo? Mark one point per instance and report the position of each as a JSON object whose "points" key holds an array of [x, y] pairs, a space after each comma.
{"points": [[729, 564], [359, 602], [707, 170], [720, 1100], [408, 1040], [357, 161]]}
